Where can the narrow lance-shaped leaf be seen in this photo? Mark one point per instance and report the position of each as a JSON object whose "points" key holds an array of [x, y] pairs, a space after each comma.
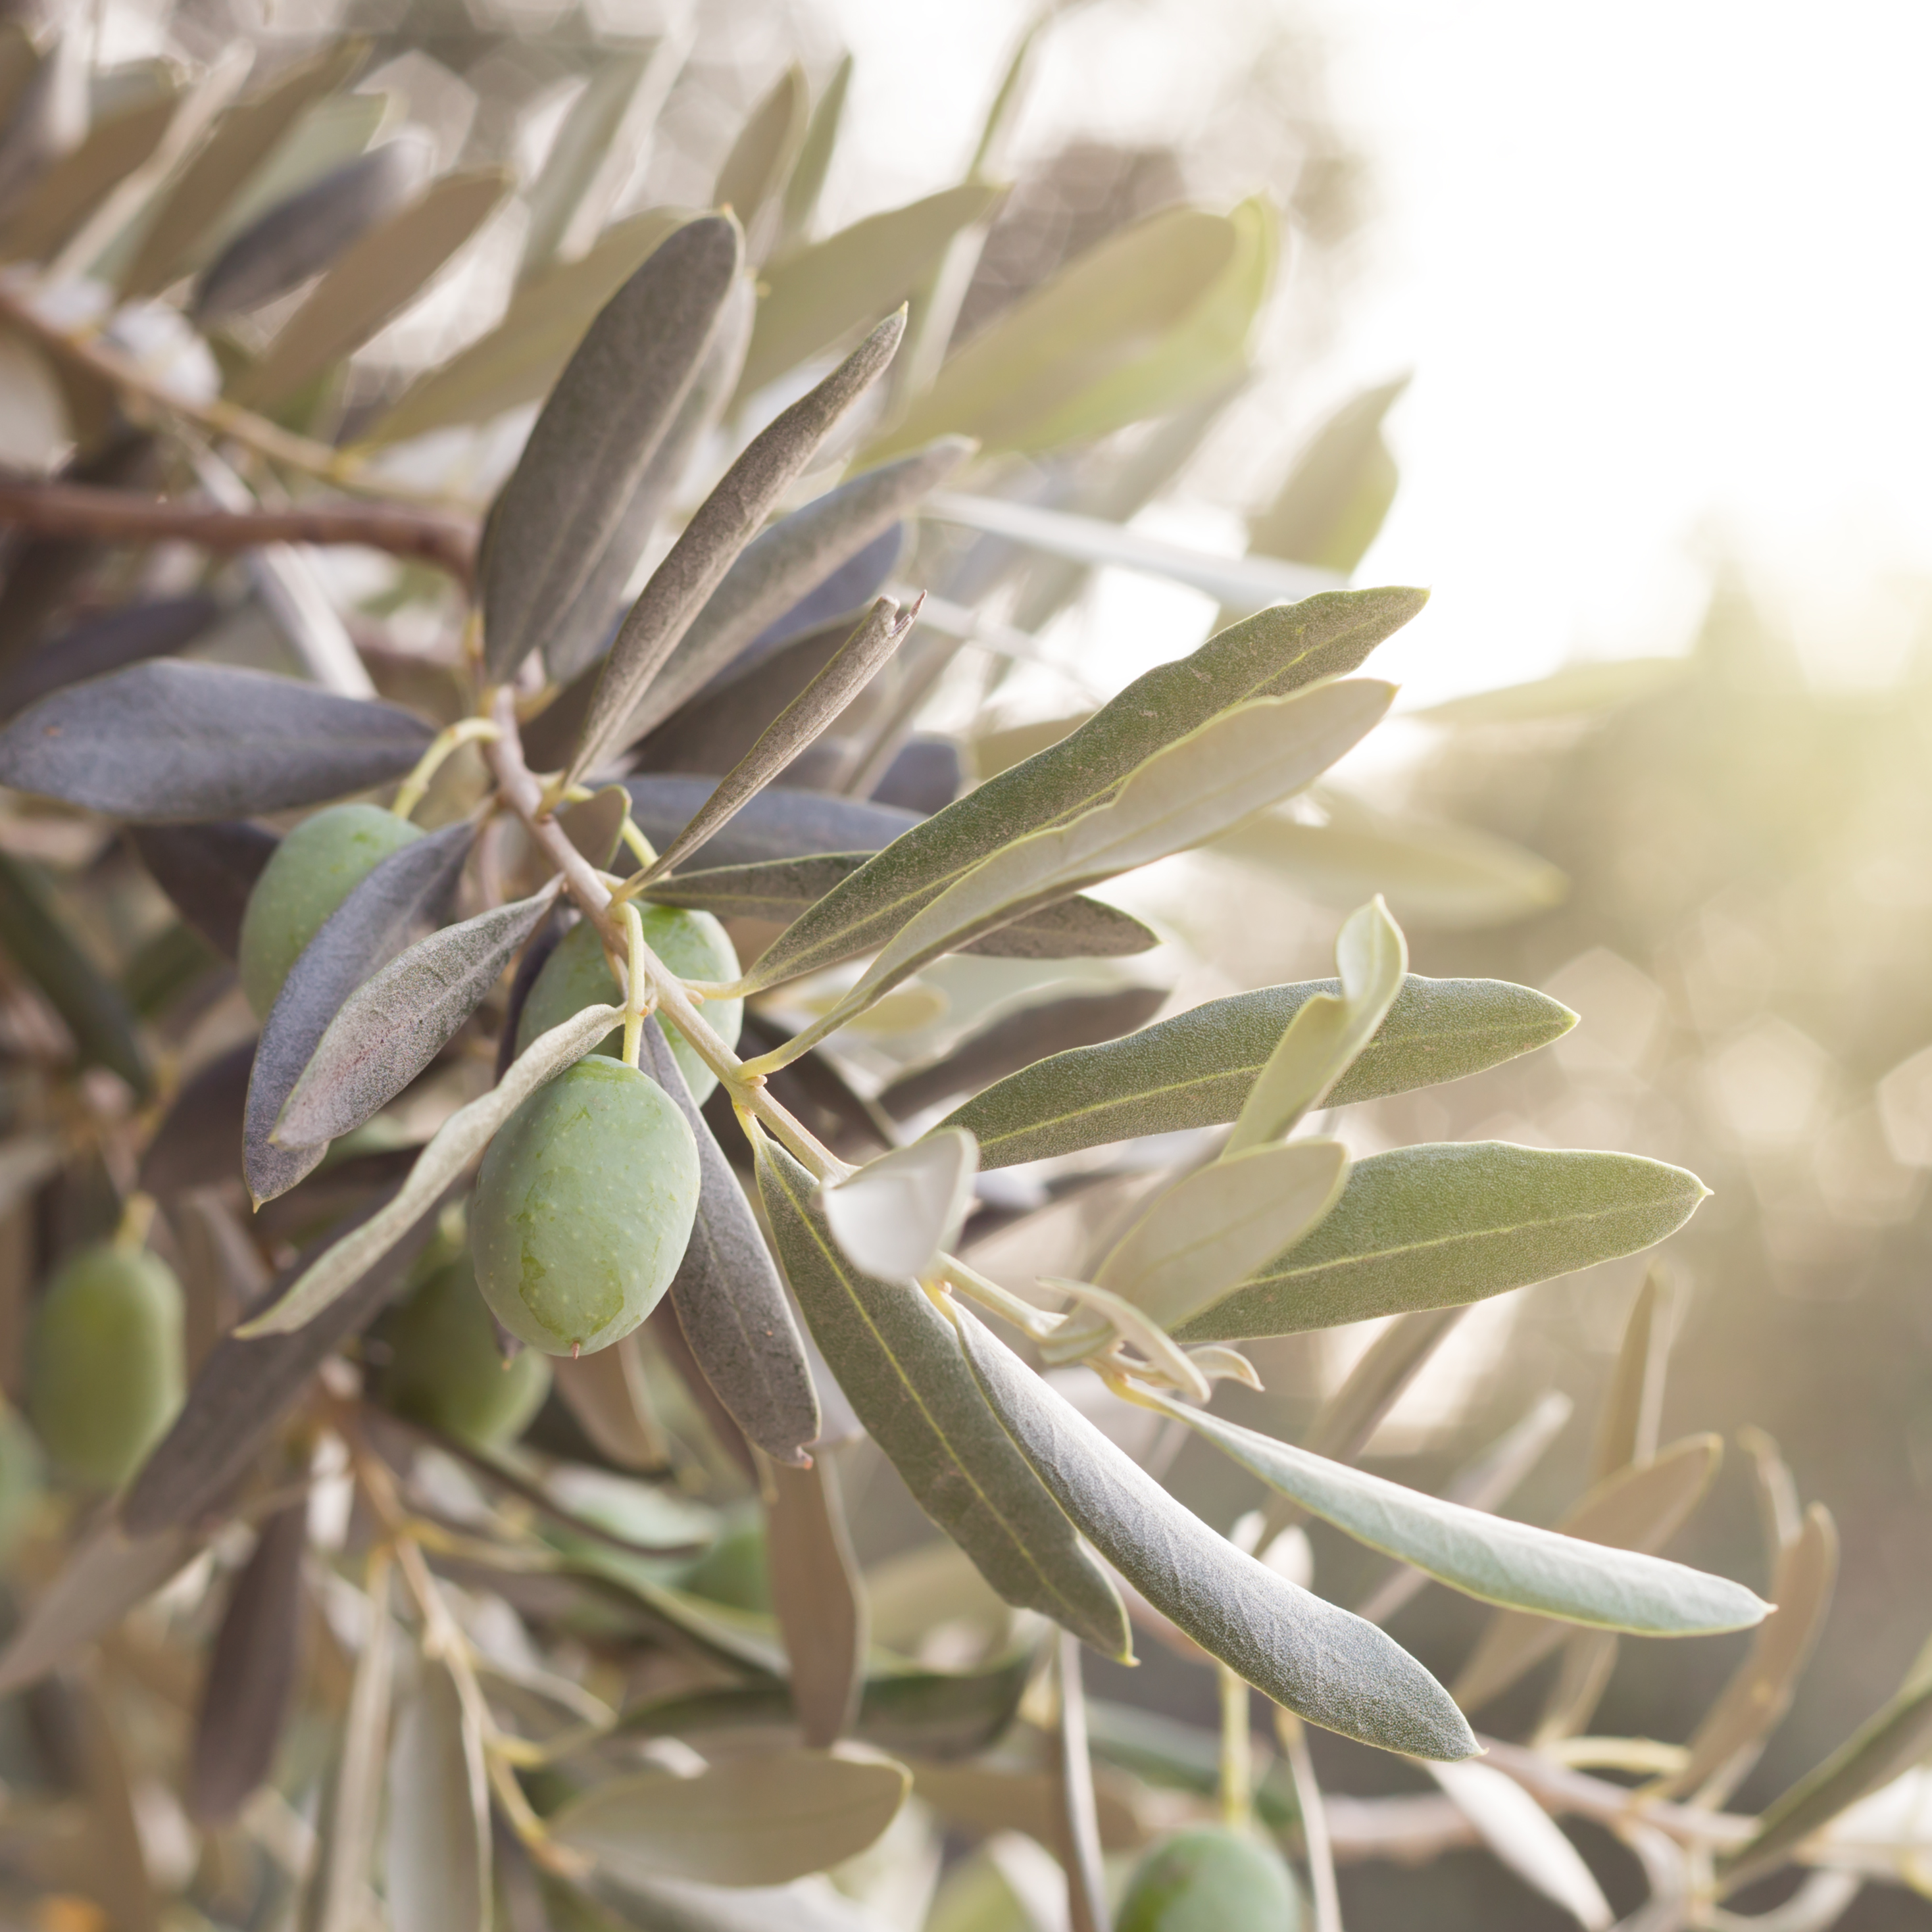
{"points": [[455, 1144], [1324, 1663], [1526, 1839], [729, 1302], [437, 1862], [108, 641], [725, 522], [1330, 508], [172, 740], [753, 176], [860, 659], [595, 125], [1327, 1034], [378, 917], [611, 408], [1638, 1509], [817, 1597], [807, 179], [1439, 1225], [1627, 1429], [342, 1880], [779, 823], [397, 1021], [1186, 793], [1274, 652], [1196, 1069], [899, 1365], [894, 1216], [1491, 1557]]}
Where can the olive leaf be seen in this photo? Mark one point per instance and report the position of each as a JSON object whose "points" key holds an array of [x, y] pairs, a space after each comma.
{"points": [[378, 917], [1490, 1557], [51, 212], [198, 1142], [1273, 653], [172, 740], [816, 297], [898, 1364], [1197, 1070], [1074, 927], [1186, 792], [780, 824], [753, 1821], [723, 523], [105, 643], [807, 179], [610, 412], [251, 1673], [400, 1018], [1638, 1508], [1328, 511], [207, 871], [356, 1802], [893, 1217], [1327, 1034], [606, 1392], [594, 150], [1324, 1663], [436, 1860], [753, 177], [857, 661], [374, 281], [1440, 1225], [817, 1597], [454, 1144], [1524, 1838]]}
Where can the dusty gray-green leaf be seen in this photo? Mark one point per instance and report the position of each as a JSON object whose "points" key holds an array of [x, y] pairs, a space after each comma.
{"points": [[437, 1859], [780, 824], [857, 661], [1186, 793], [893, 1217], [1275, 653], [605, 1391], [172, 740], [1074, 927], [1196, 1069], [1627, 1424], [1525, 1838], [455, 1144], [899, 1363], [37, 937], [753, 178], [588, 144], [615, 403], [807, 179], [817, 297], [374, 280], [1323, 1039], [785, 564], [1638, 1509], [53, 209], [108, 641], [729, 1301], [817, 1597], [348, 1853], [251, 1673], [385, 911], [1492, 1557], [1329, 1666], [301, 236], [242, 140], [1439, 1225], [1331, 506], [244, 1388], [755, 1821], [400, 1018], [723, 525]]}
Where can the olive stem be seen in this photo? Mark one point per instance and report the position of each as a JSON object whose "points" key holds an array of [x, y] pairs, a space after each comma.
{"points": [[526, 797], [635, 1004], [1236, 1782], [1315, 1841], [137, 1216], [413, 789]]}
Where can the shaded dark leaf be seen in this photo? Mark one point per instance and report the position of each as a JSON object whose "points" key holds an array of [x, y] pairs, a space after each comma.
{"points": [[172, 740], [199, 1141], [924, 776], [251, 1673], [207, 871], [369, 928], [537, 950], [166, 967], [99, 644], [778, 823]]}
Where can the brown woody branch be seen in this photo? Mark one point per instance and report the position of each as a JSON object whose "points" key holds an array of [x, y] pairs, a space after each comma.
{"points": [[77, 510]]}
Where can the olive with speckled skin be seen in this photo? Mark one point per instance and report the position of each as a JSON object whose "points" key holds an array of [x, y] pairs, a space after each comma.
{"points": [[443, 1367], [311, 872], [577, 975], [583, 1208], [1209, 1879], [105, 1369]]}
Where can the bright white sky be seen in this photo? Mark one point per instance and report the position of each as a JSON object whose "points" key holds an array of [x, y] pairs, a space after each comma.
{"points": [[1661, 274]]}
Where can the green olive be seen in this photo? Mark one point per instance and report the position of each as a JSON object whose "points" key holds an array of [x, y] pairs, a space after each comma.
{"points": [[735, 1570], [313, 870], [1209, 1879], [443, 1366], [577, 975], [105, 1373], [583, 1208]]}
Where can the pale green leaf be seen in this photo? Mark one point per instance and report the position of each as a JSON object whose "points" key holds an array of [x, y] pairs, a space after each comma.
{"points": [[1277, 652], [807, 180], [753, 178], [343, 1861], [437, 1862], [1440, 1225], [893, 1217], [596, 146], [53, 208], [816, 1596], [1578, 690], [1491, 1557], [1525, 1838], [1325, 1038], [900, 1366], [1331, 507], [1196, 1069]]}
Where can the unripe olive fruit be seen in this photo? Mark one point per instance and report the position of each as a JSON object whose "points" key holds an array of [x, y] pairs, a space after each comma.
{"points": [[443, 1366], [105, 1371], [1209, 1879], [312, 872], [577, 975], [583, 1207]]}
